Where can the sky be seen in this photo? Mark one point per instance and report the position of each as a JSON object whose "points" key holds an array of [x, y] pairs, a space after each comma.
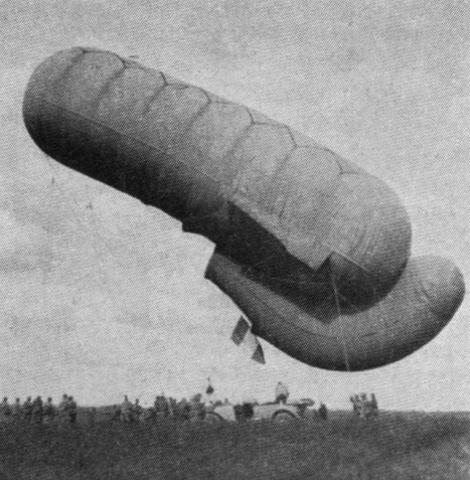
{"points": [[102, 296]]}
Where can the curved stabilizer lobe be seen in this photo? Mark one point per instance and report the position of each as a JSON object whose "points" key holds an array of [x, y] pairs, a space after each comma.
{"points": [[303, 233], [423, 301]]}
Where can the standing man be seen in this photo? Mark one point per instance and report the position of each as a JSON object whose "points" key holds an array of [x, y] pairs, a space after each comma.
{"points": [[48, 411], [281, 393], [323, 411], [28, 410], [137, 411], [37, 410], [72, 410], [374, 405], [364, 406], [126, 410], [16, 411], [116, 413], [5, 410], [64, 409]]}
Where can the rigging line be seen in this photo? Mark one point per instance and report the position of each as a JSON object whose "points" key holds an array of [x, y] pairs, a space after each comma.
{"points": [[383, 326], [342, 254], [74, 204], [99, 241], [343, 340], [93, 305]]}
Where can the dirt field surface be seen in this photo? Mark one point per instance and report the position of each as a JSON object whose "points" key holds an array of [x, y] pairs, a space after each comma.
{"points": [[393, 446]]}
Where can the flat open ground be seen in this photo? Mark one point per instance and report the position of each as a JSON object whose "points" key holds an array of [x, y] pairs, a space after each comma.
{"points": [[394, 446]]}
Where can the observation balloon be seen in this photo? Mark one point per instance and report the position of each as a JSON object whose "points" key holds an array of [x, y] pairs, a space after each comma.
{"points": [[313, 249]]}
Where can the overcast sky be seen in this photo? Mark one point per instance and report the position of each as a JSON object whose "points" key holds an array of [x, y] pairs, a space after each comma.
{"points": [[108, 300]]}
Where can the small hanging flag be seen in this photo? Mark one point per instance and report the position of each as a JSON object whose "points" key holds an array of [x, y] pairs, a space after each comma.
{"points": [[242, 336]]}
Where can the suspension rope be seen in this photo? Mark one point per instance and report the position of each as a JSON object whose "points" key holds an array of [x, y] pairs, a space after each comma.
{"points": [[338, 309], [97, 240]]}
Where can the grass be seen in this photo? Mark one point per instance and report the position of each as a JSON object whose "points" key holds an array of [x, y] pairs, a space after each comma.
{"points": [[393, 446]]}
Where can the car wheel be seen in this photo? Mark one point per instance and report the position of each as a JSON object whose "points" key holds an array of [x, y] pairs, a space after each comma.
{"points": [[212, 418], [283, 417]]}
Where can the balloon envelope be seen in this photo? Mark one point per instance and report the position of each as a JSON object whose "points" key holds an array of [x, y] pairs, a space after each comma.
{"points": [[312, 248]]}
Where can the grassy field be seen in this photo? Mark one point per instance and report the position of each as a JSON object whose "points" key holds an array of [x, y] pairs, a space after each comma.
{"points": [[393, 446]]}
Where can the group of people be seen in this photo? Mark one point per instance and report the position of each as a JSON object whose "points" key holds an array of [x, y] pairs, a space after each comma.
{"points": [[192, 409], [38, 412], [163, 407], [128, 411], [363, 407]]}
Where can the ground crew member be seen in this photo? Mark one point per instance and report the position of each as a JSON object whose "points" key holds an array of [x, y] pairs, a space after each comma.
{"points": [[374, 405], [351, 399], [126, 410], [197, 410], [5, 410], [356, 401], [16, 411], [72, 410], [184, 409], [37, 411], [116, 414], [48, 412], [364, 406], [28, 410], [323, 411], [63, 409], [137, 411], [281, 393]]}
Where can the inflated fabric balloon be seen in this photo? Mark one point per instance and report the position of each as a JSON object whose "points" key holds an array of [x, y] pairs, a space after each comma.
{"points": [[313, 249]]}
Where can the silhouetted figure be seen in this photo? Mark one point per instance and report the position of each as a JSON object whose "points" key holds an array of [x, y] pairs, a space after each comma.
{"points": [[172, 407], [137, 411], [37, 411], [28, 410], [352, 399], [48, 411], [72, 410], [162, 407], [17, 411], [374, 407], [126, 410], [281, 393], [197, 408], [63, 409], [116, 414], [5, 410], [364, 406], [184, 410], [323, 411]]}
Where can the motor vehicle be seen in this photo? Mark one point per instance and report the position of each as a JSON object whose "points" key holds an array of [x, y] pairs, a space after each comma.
{"points": [[276, 412]]}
